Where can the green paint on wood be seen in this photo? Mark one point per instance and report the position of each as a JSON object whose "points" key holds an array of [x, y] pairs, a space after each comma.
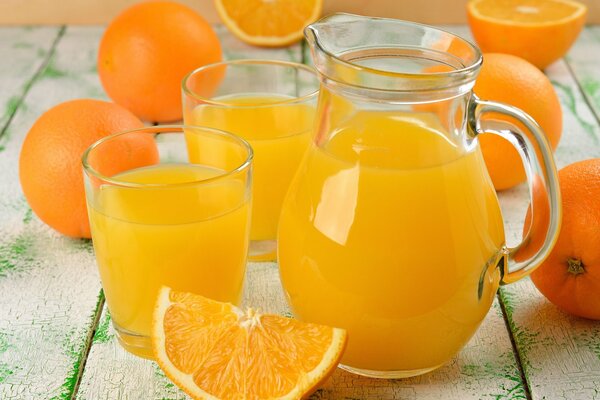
{"points": [[505, 370], [73, 351], [569, 100], [11, 107], [5, 369], [28, 215], [22, 45], [96, 93], [76, 351], [103, 334], [589, 338], [591, 87], [3, 342], [160, 375], [51, 71], [292, 52], [525, 339], [16, 255]]}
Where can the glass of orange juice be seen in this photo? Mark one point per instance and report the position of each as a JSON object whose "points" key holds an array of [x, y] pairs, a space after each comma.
{"points": [[162, 219], [272, 105]]}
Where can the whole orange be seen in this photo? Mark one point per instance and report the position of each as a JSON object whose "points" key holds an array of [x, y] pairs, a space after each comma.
{"points": [[570, 276], [512, 80], [50, 167], [147, 50]]}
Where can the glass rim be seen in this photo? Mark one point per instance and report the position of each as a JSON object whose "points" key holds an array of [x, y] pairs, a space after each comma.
{"points": [[248, 61], [172, 129]]}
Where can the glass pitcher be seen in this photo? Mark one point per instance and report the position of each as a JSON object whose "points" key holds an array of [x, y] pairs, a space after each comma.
{"points": [[391, 228]]}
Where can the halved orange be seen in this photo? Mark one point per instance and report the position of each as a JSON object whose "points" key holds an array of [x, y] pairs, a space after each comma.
{"points": [[270, 23], [214, 350], [540, 31]]}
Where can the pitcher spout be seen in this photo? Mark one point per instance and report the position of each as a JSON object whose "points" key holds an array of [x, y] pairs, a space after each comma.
{"points": [[388, 55]]}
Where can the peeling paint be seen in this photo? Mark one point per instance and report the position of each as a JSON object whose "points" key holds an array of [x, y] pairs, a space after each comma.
{"points": [[103, 334], [569, 100], [28, 215], [51, 71], [16, 255], [11, 107]]}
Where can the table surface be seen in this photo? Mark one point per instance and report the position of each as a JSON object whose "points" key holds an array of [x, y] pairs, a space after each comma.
{"points": [[56, 340]]}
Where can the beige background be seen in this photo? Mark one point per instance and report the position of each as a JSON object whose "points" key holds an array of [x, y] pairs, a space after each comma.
{"points": [[14, 12]]}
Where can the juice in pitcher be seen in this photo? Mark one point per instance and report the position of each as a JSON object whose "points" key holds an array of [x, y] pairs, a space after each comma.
{"points": [[388, 231], [391, 228]]}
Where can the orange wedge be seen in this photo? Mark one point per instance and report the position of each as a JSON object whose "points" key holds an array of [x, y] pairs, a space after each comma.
{"points": [[270, 23], [214, 350], [540, 31]]}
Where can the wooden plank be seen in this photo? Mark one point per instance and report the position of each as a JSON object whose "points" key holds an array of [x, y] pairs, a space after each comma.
{"points": [[584, 61], [234, 48], [101, 11], [559, 353], [486, 368], [24, 51], [49, 283]]}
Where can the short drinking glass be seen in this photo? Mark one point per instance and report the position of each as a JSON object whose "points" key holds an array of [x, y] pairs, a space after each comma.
{"points": [[158, 218]]}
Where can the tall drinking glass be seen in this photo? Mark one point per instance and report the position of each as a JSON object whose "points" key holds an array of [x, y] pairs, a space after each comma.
{"points": [[272, 105], [166, 211]]}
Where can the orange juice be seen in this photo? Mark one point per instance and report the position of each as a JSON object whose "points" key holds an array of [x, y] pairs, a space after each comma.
{"points": [[279, 131], [189, 237], [392, 231]]}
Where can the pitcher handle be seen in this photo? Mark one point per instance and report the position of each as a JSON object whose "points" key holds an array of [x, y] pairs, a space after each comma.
{"points": [[542, 178]]}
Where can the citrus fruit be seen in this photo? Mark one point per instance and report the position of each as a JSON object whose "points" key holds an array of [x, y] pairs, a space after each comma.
{"points": [[268, 22], [512, 80], [214, 350], [540, 31], [50, 167], [570, 276], [147, 50]]}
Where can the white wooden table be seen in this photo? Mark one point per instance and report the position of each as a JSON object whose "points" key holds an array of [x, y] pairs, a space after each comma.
{"points": [[56, 341]]}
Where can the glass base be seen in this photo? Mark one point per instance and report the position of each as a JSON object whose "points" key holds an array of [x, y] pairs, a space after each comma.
{"points": [[135, 343], [263, 250], [388, 374]]}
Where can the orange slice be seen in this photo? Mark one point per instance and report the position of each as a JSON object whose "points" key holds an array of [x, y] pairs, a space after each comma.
{"points": [[540, 31], [268, 22], [214, 350]]}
